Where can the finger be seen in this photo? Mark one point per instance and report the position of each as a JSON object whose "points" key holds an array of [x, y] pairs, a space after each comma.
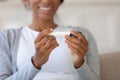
{"points": [[51, 48], [40, 44], [76, 48], [74, 51], [43, 34], [80, 36], [48, 45], [51, 37], [76, 42]]}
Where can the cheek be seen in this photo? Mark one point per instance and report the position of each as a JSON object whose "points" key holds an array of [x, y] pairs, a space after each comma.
{"points": [[33, 4], [57, 8]]}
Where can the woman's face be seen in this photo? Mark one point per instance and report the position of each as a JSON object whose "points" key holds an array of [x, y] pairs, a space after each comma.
{"points": [[44, 9]]}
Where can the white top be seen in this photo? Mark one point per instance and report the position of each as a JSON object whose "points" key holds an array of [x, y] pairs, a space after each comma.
{"points": [[58, 67], [9, 43]]}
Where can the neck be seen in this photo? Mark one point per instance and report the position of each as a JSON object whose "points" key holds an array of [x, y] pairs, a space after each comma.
{"points": [[40, 25]]}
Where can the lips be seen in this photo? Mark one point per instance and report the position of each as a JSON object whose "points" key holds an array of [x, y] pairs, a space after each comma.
{"points": [[45, 8]]}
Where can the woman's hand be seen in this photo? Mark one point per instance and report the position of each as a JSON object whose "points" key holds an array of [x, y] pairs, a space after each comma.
{"points": [[44, 44], [79, 47]]}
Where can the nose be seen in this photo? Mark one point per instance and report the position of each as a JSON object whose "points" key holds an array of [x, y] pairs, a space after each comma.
{"points": [[46, 1]]}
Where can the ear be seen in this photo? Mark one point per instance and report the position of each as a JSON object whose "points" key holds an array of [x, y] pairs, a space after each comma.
{"points": [[26, 4]]}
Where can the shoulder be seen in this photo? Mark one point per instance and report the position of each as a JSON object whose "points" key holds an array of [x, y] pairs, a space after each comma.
{"points": [[9, 32], [9, 35]]}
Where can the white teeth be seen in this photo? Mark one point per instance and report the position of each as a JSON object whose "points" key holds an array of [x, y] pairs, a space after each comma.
{"points": [[45, 8]]}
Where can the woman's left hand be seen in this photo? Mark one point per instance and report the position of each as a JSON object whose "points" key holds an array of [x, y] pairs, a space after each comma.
{"points": [[79, 47]]}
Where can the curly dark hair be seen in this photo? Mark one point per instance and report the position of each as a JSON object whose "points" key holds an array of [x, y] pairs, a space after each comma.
{"points": [[62, 1]]}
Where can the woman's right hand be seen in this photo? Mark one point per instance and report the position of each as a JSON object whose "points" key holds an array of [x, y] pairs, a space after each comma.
{"points": [[44, 44]]}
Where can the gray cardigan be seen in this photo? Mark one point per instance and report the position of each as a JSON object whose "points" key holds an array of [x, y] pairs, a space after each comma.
{"points": [[9, 42]]}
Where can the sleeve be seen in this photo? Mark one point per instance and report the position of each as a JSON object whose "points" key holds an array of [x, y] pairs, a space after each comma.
{"points": [[90, 70], [6, 72]]}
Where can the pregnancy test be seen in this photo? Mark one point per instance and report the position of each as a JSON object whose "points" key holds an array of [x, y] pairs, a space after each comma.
{"points": [[61, 33]]}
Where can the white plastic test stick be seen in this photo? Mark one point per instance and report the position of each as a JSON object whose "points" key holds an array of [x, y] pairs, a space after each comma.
{"points": [[60, 33]]}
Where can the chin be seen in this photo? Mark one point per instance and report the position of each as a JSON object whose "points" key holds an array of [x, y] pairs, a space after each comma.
{"points": [[45, 17]]}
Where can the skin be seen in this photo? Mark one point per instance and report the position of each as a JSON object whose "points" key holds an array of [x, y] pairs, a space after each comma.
{"points": [[45, 43], [79, 47]]}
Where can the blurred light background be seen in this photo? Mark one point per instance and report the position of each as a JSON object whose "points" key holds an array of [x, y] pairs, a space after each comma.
{"points": [[101, 17]]}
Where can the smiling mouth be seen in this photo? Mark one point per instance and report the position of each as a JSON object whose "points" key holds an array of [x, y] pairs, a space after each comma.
{"points": [[45, 8]]}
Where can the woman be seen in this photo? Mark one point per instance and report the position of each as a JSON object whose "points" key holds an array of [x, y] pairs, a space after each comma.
{"points": [[31, 53]]}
